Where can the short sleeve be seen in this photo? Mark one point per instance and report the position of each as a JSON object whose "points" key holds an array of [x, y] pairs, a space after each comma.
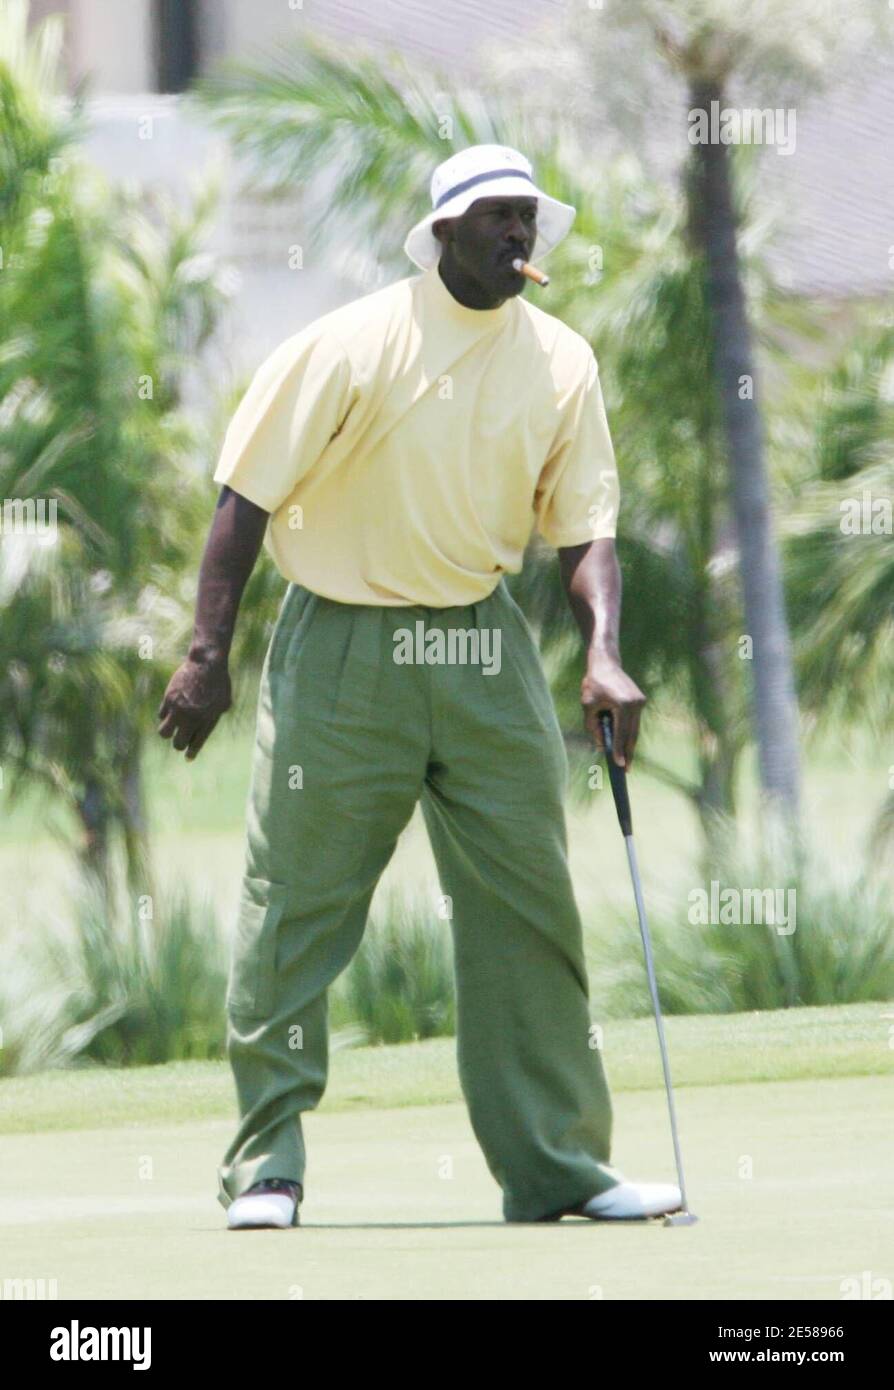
{"points": [[578, 492], [296, 402]]}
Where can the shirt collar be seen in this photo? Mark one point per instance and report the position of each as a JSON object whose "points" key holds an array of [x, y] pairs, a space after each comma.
{"points": [[445, 305]]}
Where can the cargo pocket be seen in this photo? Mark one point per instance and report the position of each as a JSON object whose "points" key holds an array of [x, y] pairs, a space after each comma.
{"points": [[252, 984]]}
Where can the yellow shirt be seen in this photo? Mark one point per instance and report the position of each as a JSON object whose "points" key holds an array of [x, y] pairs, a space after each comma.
{"points": [[407, 445]]}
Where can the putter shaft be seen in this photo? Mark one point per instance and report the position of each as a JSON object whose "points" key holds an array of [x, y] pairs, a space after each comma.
{"points": [[618, 779], [656, 1007]]}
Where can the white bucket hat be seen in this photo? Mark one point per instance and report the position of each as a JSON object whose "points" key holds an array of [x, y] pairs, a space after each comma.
{"points": [[485, 171]]}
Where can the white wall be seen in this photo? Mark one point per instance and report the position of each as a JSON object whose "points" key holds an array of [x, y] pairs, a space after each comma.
{"points": [[111, 41]]}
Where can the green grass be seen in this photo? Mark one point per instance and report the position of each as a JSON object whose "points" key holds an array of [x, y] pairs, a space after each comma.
{"points": [[791, 1182], [729, 1049], [110, 1180]]}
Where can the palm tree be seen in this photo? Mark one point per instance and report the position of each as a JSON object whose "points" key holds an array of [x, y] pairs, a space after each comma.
{"points": [[713, 230]]}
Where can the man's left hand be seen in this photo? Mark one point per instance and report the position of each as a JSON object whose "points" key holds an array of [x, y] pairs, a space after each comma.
{"points": [[607, 687]]}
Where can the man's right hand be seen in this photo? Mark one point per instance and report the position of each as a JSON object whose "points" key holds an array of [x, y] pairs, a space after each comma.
{"points": [[198, 694], [199, 691]]}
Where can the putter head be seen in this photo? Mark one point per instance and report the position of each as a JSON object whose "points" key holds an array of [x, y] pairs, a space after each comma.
{"points": [[680, 1218]]}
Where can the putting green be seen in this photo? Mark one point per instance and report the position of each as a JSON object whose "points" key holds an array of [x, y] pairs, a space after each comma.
{"points": [[792, 1181]]}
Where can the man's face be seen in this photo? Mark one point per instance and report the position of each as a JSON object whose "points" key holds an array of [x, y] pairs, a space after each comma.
{"points": [[485, 240]]}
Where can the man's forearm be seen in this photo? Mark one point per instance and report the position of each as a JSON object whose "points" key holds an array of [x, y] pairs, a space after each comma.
{"points": [[231, 551], [592, 578]]}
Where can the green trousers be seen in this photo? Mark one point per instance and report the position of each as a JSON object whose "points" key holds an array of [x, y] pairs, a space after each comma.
{"points": [[354, 728]]}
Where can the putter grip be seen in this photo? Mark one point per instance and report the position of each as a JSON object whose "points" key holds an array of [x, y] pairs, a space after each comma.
{"points": [[617, 777]]}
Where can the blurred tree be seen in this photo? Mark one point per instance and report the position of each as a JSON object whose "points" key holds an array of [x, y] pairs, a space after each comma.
{"points": [[839, 565], [644, 68], [100, 307]]}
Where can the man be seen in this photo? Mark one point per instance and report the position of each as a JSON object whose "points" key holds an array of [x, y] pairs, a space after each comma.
{"points": [[398, 453]]}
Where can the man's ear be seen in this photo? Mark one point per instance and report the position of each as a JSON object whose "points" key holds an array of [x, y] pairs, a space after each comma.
{"points": [[443, 230]]}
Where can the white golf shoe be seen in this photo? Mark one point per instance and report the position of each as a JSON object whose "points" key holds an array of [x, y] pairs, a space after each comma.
{"points": [[273, 1202], [632, 1201]]}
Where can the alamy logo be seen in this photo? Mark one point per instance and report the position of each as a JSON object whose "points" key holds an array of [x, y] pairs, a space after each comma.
{"points": [[458, 646], [29, 516], [730, 126], [727, 907], [866, 515], [29, 1289], [77, 1343]]}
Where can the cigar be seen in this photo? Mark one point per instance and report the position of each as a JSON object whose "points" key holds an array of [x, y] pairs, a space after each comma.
{"points": [[525, 268]]}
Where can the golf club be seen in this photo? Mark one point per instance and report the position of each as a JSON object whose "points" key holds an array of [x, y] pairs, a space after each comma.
{"points": [[618, 778]]}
